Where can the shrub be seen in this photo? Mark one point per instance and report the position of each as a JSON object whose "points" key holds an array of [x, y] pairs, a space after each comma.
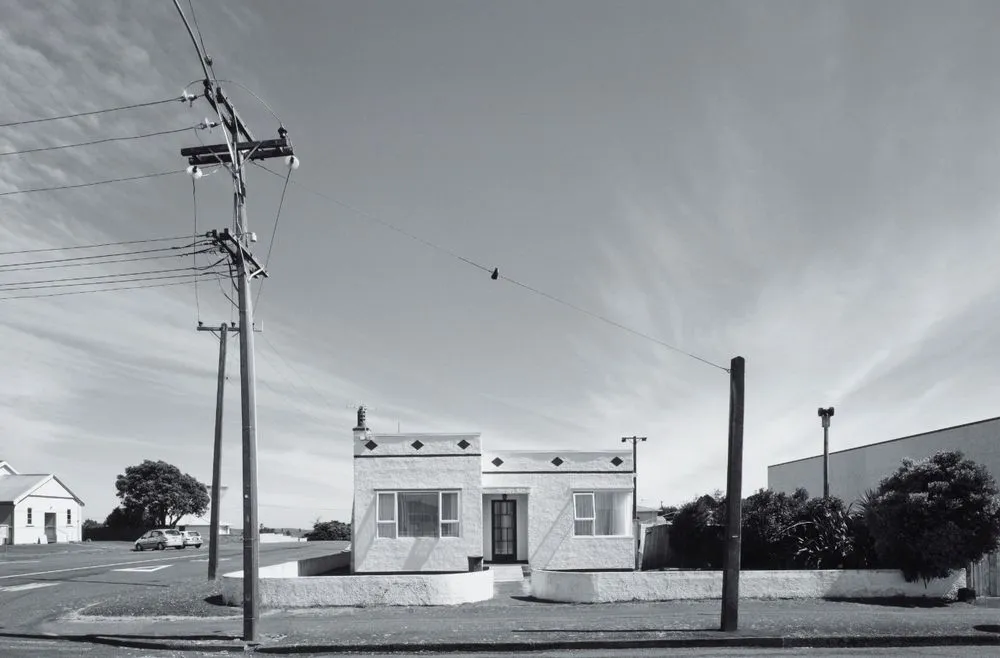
{"points": [[767, 516], [696, 534], [823, 535], [933, 516]]}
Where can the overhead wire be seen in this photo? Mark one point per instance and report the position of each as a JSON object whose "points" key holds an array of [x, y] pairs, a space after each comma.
{"points": [[274, 233], [123, 279], [495, 274], [92, 246], [95, 277], [194, 255], [85, 292], [94, 263], [75, 115], [133, 252], [92, 183], [105, 140]]}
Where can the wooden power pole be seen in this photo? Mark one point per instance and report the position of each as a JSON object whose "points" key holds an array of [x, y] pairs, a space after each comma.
{"points": [[734, 499], [213, 539], [635, 493]]}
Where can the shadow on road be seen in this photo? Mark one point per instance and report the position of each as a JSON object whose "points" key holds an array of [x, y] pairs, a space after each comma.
{"points": [[988, 628], [608, 631], [897, 602], [156, 642]]}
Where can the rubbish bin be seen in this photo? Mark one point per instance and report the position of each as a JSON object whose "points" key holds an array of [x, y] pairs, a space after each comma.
{"points": [[475, 563]]}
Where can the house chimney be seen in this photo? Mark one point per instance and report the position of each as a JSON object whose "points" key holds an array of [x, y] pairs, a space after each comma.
{"points": [[361, 429]]}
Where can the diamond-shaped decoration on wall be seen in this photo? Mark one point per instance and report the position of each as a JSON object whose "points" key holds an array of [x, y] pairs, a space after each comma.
{"points": [[371, 445], [463, 444], [617, 461], [417, 445], [497, 461], [557, 462]]}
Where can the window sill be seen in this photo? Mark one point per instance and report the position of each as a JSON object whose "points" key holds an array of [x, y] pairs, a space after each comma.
{"points": [[602, 537]]}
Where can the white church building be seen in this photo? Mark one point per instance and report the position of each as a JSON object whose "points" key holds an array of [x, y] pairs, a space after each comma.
{"points": [[37, 508]]}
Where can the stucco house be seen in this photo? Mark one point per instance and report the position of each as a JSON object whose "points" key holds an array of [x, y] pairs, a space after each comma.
{"points": [[440, 503], [37, 509]]}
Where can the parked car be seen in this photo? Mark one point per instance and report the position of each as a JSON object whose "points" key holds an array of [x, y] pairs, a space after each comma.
{"points": [[192, 538], [160, 539]]}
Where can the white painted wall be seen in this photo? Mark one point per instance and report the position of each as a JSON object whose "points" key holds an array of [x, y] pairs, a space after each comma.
{"points": [[395, 465], [290, 585], [551, 542], [855, 470], [51, 497], [521, 523], [612, 586]]}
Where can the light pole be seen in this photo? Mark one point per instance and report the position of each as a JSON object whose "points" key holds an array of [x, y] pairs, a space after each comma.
{"points": [[826, 415]]}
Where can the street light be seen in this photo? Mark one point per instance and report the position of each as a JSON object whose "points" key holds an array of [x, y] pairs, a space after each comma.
{"points": [[826, 415]]}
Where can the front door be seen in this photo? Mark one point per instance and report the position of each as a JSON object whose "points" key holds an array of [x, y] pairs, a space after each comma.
{"points": [[50, 527], [504, 530]]}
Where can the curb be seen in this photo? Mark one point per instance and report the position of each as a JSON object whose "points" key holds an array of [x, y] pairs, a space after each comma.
{"points": [[757, 642]]}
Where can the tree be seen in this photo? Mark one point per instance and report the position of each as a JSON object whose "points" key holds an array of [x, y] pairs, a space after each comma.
{"points": [[161, 492], [767, 517], [121, 517], [90, 523], [933, 516], [329, 531]]}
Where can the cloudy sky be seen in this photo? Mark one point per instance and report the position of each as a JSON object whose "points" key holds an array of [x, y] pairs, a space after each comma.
{"points": [[813, 186]]}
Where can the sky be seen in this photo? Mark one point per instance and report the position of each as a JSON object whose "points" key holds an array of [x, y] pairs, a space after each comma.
{"points": [[812, 186]]}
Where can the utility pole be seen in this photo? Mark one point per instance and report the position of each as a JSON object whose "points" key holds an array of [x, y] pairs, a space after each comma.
{"points": [[734, 499], [635, 492], [241, 147], [826, 415], [213, 540]]}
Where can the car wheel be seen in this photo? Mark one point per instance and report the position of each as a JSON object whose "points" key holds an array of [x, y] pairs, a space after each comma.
{"points": [[197, 545], [138, 547], [161, 546], [179, 547]]}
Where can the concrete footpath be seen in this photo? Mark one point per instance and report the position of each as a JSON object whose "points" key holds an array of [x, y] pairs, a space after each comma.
{"points": [[512, 622]]}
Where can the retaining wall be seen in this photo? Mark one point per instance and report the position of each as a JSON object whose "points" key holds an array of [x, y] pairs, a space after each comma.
{"points": [[297, 585], [610, 586]]}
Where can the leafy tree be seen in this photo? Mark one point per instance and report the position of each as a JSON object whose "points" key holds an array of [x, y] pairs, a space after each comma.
{"points": [[823, 535], [767, 517], [329, 531], [696, 533], [90, 523], [121, 517], [161, 492], [936, 515]]}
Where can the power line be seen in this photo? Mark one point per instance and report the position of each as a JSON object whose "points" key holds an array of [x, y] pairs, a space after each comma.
{"points": [[274, 233], [101, 141], [92, 112], [101, 276], [122, 280], [194, 255], [495, 274], [87, 292], [92, 183], [59, 265], [92, 246], [134, 252]]}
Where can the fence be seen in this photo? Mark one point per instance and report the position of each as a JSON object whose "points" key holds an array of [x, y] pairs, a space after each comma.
{"points": [[984, 576], [656, 547]]}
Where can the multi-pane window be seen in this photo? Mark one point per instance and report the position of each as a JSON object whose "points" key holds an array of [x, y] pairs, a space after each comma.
{"points": [[601, 513], [417, 514], [69, 517], [29, 516]]}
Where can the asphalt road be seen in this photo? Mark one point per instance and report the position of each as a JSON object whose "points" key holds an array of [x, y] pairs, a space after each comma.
{"points": [[41, 585]]}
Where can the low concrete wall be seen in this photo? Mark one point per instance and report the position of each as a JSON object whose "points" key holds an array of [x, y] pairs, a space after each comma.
{"points": [[297, 585], [609, 586]]}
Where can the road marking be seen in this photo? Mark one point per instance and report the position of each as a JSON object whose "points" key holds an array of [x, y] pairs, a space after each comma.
{"points": [[149, 569], [22, 588], [205, 559], [90, 567]]}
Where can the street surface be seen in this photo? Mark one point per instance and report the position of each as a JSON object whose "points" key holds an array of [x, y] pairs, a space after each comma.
{"points": [[106, 600]]}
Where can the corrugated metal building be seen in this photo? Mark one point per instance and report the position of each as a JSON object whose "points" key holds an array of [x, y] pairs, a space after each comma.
{"points": [[855, 470]]}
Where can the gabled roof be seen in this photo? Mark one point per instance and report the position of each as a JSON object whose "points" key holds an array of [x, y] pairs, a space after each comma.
{"points": [[4, 466], [15, 488]]}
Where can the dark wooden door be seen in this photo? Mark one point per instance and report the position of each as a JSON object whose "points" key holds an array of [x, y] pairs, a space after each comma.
{"points": [[504, 530]]}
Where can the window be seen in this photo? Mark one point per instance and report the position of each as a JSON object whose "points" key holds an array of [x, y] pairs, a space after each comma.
{"points": [[417, 514], [29, 516], [69, 517], [601, 513]]}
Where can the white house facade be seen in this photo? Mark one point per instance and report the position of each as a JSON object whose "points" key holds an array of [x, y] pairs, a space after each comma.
{"points": [[37, 508], [855, 470], [439, 503]]}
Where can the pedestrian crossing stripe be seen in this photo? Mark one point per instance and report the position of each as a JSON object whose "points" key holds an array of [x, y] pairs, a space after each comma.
{"points": [[25, 587], [149, 569]]}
